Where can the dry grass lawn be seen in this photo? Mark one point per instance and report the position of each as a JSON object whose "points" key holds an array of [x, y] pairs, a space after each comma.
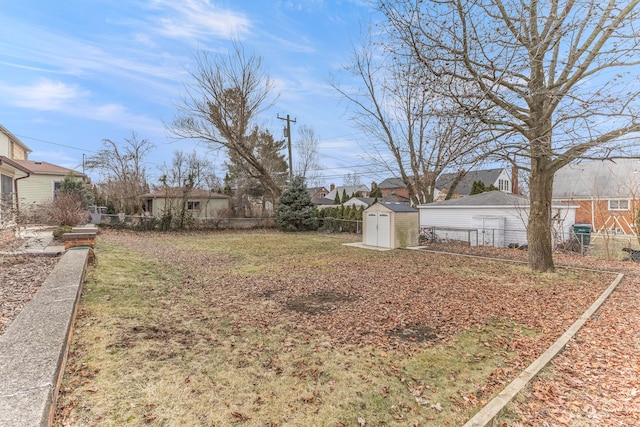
{"points": [[271, 329]]}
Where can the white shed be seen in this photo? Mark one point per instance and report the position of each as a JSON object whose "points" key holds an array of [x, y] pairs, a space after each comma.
{"points": [[390, 225], [493, 218]]}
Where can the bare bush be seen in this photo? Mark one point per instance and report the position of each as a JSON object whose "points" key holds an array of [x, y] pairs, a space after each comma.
{"points": [[66, 209]]}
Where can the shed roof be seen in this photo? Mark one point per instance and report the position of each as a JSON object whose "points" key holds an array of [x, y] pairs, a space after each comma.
{"points": [[398, 207], [618, 178]]}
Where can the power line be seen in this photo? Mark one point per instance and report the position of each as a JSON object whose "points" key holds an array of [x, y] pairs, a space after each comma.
{"points": [[55, 143]]}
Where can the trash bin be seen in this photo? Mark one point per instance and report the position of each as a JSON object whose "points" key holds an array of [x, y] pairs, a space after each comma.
{"points": [[583, 233]]}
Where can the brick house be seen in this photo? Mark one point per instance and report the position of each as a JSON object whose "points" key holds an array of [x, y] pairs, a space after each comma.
{"points": [[607, 193]]}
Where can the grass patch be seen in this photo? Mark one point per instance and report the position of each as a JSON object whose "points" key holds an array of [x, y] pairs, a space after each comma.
{"points": [[279, 329]]}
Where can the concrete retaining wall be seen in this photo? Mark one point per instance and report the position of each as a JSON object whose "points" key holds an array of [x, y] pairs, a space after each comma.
{"points": [[33, 349]]}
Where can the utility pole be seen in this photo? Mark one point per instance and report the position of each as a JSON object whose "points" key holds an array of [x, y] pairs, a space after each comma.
{"points": [[287, 133]]}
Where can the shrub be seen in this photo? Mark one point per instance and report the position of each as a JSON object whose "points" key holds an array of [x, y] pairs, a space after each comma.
{"points": [[66, 209], [58, 232]]}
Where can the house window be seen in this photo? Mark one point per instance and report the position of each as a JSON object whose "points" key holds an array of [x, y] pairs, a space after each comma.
{"points": [[57, 186], [6, 188], [193, 206], [503, 185], [619, 205]]}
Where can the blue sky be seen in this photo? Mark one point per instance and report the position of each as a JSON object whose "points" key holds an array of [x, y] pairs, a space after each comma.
{"points": [[78, 71]]}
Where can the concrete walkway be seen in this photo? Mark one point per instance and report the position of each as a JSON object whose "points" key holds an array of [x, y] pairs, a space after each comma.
{"points": [[34, 347]]}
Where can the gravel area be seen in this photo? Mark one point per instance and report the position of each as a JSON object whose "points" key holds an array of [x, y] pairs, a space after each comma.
{"points": [[21, 275]]}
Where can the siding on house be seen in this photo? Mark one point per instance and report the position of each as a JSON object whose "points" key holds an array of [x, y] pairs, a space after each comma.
{"points": [[208, 208], [594, 185], [454, 219], [37, 189]]}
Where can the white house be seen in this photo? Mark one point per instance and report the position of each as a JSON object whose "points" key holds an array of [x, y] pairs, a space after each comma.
{"points": [[494, 218]]}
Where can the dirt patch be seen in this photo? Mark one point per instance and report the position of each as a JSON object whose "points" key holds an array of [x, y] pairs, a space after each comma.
{"points": [[319, 303], [414, 333]]}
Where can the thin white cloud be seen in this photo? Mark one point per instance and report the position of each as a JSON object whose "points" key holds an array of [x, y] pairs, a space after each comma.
{"points": [[44, 95], [197, 19], [59, 97]]}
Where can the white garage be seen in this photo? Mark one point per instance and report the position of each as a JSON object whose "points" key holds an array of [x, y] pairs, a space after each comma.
{"points": [[493, 218], [390, 225]]}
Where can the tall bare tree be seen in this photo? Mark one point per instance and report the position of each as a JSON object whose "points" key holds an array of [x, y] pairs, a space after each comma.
{"points": [[556, 78], [223, 100], [411, 130], [306, 148], [122, 171]]}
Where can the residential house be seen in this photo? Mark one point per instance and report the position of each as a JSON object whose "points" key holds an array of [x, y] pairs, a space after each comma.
{"points": [[350, 190], [607, 193], [10, 148], [317, 192], [23, 182], [201, 204], [359, 202], [43, 183], [393, 187], [498, 177]]}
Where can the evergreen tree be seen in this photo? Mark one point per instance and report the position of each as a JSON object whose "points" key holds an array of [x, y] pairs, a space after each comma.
{"points": [[477, 187], [336, 201], [294, 210], [345, 196], [376, 193], [72, 185]]}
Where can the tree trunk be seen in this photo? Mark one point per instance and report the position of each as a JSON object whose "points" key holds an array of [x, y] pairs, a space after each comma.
{"points": [[539, 225]]}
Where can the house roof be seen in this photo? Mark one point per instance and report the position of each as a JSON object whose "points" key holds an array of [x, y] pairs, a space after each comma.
{"points": [[487, 176], [391, 183], [366, 200], [196, 193], [350, 189], [14, 138], [618, 178], [487, 199], [313, 190], [13, 164], [321, 201], [398, 207], [46, 168]]}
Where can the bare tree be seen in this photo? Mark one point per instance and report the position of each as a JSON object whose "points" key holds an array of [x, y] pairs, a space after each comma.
{"points": [[352, 179], [222, 102], [186, 173], [555, 79], [122, 171], [413, 131], [306, 147]]}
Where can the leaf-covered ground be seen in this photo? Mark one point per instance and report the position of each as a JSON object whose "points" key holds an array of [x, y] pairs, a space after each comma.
{"points": [[20, 278], [304, 310]]}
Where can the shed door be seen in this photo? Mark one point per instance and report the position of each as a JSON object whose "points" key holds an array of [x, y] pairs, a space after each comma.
{"points": [[371, 232], [384, 230]]}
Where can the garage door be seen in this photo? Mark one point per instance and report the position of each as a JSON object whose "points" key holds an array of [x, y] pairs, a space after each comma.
{"points": [[378, 230]]}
